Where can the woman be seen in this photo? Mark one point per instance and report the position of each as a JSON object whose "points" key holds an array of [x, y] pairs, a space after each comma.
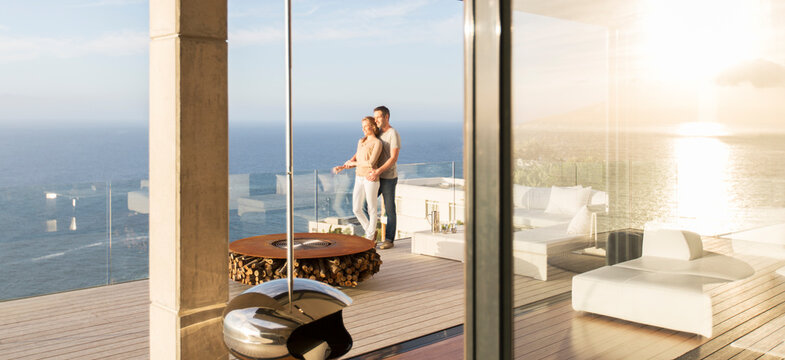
{"points": [[365, 159]]}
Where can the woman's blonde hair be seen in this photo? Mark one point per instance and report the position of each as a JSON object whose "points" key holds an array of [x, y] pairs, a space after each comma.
{"points": [[373, 124]]}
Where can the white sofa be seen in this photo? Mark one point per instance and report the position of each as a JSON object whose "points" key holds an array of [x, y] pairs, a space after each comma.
{"points": [[530, 203], [239, 186], [553, 221], [662, 288], [535, 207]]}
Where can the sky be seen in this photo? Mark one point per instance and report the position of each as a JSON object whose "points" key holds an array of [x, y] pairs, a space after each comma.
{"points": [[86, 61], [73, 62], [677, 66]]}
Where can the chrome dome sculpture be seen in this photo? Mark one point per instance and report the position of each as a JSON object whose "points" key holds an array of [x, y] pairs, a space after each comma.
{"points": [[263, 322], [258, 323]]}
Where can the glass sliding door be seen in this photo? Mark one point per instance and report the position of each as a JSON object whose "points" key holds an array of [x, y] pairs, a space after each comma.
{"points": [[648, 191]]}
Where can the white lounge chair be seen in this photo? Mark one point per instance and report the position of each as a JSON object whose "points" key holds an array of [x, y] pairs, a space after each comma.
{"points": [[304, 188], [139, 200]]}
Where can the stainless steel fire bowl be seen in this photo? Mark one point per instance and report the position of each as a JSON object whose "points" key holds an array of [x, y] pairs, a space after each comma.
{"points": [[258, 323]]}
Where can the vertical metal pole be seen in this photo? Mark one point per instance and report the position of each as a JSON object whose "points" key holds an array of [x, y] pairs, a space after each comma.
{"points": [[610, 61], [575, 170], [289, 170], [454, 210], [108, 219], [316, 197], [109, 266]]}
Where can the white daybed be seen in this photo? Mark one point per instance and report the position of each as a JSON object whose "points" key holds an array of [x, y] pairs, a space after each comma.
{"points": [[662, 288]]}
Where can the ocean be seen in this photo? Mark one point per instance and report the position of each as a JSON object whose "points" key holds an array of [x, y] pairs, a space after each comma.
{"points": [[62, 155], [67, 221]]}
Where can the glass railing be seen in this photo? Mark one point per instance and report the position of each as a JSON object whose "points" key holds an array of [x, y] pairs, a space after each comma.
{"points": [[674, 193], [322, 200], [72, 236], [69, 236]]}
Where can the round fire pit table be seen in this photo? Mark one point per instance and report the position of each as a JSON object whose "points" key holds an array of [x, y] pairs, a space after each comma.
{"points": [[335, 259]]}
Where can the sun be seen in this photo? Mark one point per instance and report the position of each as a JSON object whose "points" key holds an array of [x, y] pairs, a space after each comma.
{"points": [[696, 39]]}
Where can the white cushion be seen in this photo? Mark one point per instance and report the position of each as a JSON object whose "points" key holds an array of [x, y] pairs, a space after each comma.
{"points": [[712, 266], [536, 218], [580, 223], [538, 197], [567, 200], [540, 240], [239, 186], [598, 198], [520, 196], [672, 244]]}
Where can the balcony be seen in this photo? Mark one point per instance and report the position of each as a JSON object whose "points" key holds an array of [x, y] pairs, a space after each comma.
{"points": [[411, 297]]}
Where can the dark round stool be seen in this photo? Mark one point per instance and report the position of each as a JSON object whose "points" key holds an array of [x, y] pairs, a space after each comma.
{"points": [[623, 245]]}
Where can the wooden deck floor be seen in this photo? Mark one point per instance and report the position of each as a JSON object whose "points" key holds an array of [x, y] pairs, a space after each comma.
{"points": [[410, 297], [555, 331]]}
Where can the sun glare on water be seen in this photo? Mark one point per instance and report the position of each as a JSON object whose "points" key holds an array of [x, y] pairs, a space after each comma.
{"points": [[702, 184], [702, 129]]}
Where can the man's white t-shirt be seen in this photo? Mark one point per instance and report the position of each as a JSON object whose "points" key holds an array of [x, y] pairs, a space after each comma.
{"points": [[390, 140]]}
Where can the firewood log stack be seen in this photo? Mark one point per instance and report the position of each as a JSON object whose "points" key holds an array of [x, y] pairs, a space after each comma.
{"points": [[346, 271]]}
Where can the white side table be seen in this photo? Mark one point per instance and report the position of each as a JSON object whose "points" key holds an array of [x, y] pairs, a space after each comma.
{"points": [[601, 209]]}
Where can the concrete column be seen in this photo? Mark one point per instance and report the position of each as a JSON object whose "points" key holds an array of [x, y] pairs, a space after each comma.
{"points": [[189, 216]]}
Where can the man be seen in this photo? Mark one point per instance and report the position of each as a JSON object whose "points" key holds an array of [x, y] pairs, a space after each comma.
{"points": [[387, 173]]}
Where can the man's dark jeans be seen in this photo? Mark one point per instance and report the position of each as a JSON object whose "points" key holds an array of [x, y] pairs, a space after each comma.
{"points": [[387, 191]]}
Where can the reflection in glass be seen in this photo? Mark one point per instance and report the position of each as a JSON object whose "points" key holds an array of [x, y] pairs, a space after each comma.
{"points": [[674, 110]]}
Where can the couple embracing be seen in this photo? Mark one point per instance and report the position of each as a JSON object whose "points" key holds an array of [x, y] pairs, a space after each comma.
{"points": [[377, 174]]}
